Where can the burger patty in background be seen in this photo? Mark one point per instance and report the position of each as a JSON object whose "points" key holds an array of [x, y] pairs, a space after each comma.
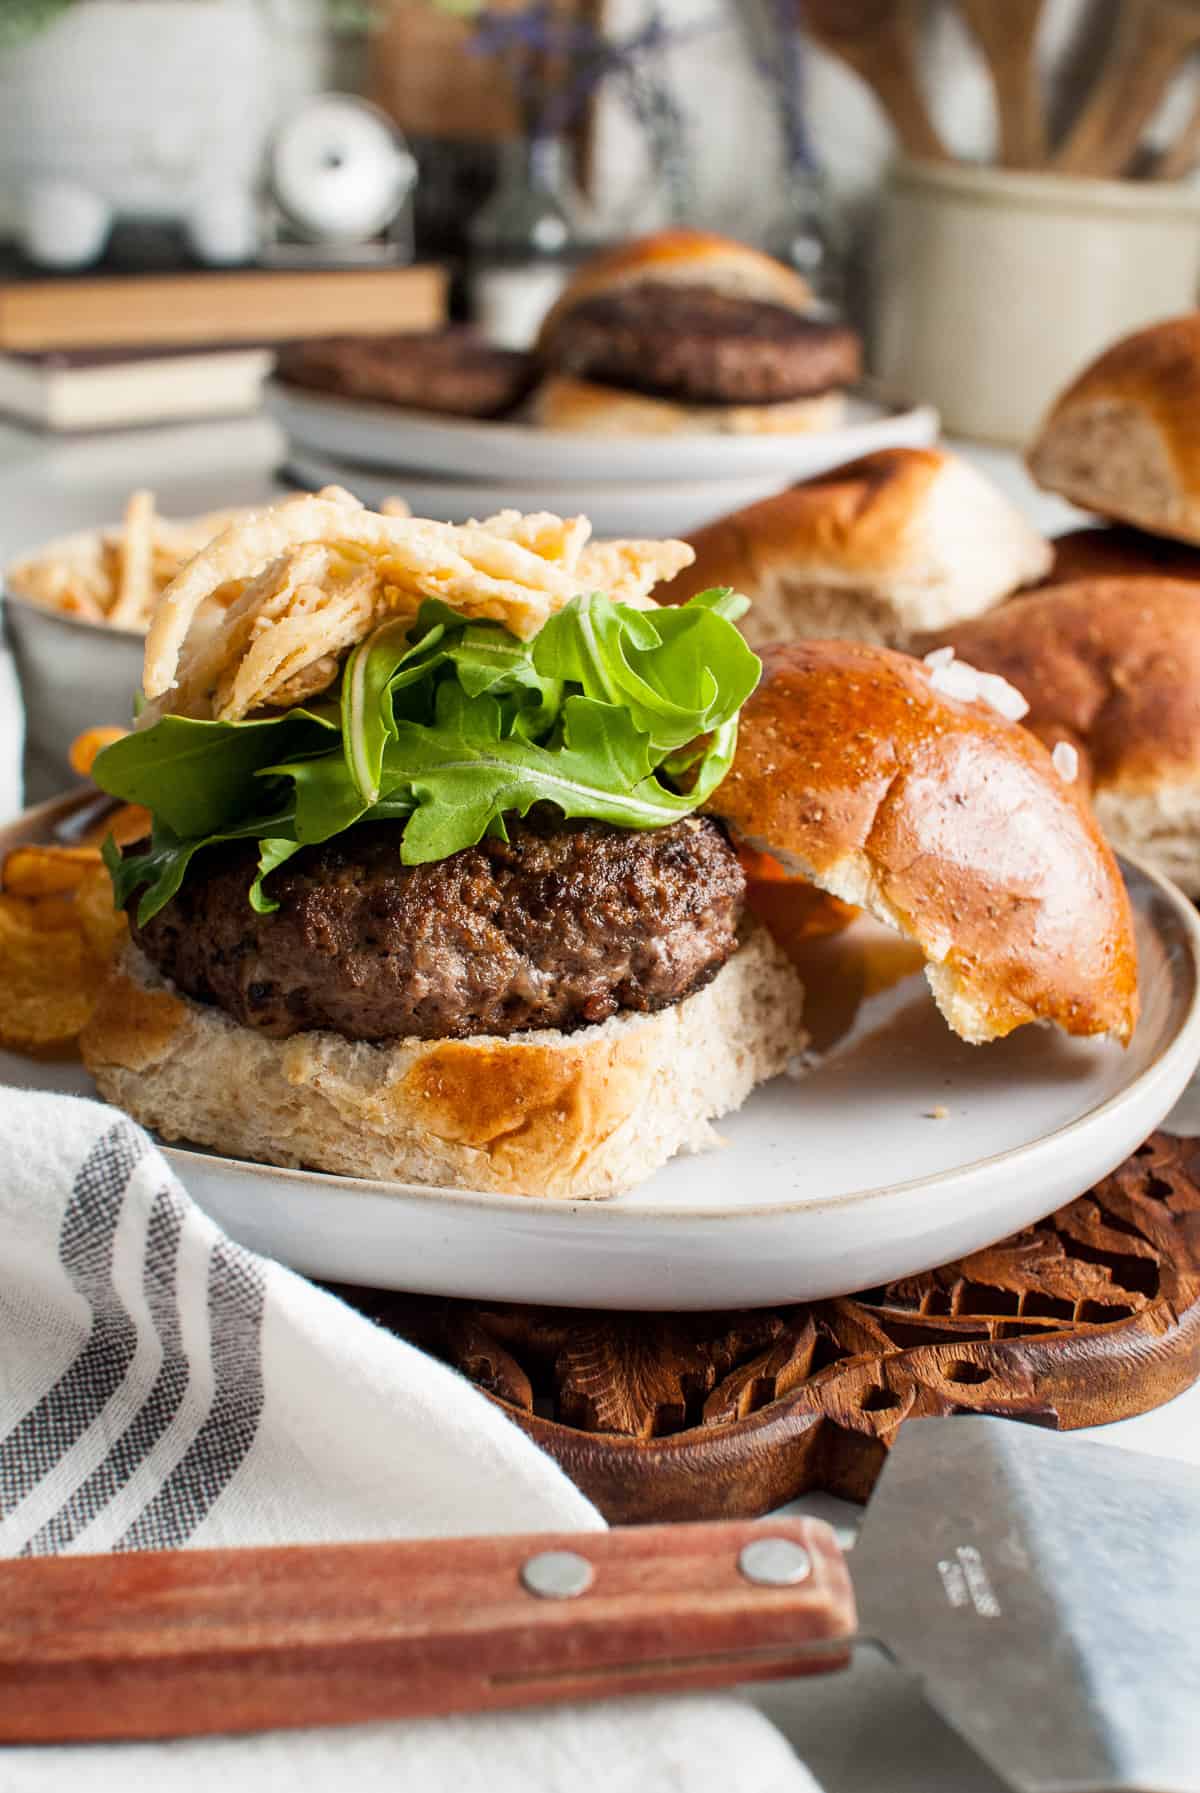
{"points": [[560, 926], [691, 343], [453, 371]]}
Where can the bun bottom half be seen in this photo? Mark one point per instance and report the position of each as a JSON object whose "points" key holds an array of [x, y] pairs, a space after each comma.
{"points": [[585, 407], [564, 1116]]}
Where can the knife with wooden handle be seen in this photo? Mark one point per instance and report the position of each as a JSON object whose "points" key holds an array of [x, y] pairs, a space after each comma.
{"points": [[1045, 1591], [191, 1642]]}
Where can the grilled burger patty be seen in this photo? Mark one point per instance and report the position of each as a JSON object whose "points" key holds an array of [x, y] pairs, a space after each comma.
{"points": [[690, 343], [451, 370], [560, 926]]}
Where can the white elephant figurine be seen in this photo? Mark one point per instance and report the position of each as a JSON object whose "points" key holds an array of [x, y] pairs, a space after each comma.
{"points": [[157, 111]]}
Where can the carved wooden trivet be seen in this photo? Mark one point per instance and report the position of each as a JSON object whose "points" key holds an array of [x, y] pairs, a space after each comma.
{"points": [[1091, 1316]]}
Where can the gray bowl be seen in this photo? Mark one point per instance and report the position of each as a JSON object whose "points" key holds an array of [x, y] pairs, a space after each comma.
{"points": [[74, 675]]}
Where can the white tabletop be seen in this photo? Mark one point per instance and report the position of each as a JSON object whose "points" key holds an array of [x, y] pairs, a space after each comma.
{"points": [[860, 1732]]}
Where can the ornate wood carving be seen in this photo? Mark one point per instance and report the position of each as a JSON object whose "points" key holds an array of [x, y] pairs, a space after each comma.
{"points": [[1091, 1316]]}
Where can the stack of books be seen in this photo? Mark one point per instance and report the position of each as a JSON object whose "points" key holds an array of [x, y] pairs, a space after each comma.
{"points": [[99, 351]]}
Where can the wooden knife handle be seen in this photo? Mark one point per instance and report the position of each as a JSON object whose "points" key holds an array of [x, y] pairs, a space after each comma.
{"points": [[182, 1643]]}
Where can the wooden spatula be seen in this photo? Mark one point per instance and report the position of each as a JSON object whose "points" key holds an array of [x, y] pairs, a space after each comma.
{"points": [[1006, 34], [878, 40], [1153, 38]]}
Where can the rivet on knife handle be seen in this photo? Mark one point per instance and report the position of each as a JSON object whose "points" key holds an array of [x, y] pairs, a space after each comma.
{"points": [[180, 1643]]}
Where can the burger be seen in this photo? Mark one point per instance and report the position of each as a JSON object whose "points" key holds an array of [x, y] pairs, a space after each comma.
{"points": [[687, 331], [428, 894], [443, 882]]}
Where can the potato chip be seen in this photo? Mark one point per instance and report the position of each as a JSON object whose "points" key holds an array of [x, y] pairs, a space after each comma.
{"points": [[103, 926], [127, 824], [46, 871], [50, 912], [48, 981], [59, 934], [86, 746]]}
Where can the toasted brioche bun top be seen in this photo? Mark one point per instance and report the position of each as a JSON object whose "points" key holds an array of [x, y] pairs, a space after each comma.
{"points": [[946, 822], [919, 529], [1110, 665], [682, 257]]}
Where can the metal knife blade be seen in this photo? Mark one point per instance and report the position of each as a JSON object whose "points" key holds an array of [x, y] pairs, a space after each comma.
{"points": [[1047, 1593]]}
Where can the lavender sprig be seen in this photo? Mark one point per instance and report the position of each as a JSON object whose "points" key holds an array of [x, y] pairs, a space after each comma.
{"points": [[776, 42], [590, 57]]}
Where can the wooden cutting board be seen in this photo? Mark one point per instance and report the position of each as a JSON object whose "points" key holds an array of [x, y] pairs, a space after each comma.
{"points": [[1089, 1317]]}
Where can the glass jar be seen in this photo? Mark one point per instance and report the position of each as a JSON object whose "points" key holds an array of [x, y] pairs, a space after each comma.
{"points": [[525, 241], [804, 234]]}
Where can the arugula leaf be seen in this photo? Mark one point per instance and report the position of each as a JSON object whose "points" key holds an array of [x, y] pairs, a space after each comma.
{"points": [[445, 727], [373, 672], [196, 776], [162, 868], [678, 671], [464, 771]]}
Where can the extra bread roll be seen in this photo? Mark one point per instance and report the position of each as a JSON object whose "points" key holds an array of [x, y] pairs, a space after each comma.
{"points": [[901, 541], [585, 407], [1113, 667], [1104, 552], [570, 1116], [1124, 440], [946, 822], [682, 258]]}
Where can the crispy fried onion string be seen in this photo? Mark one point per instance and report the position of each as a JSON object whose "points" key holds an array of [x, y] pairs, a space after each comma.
{"points": [[260, 617]]}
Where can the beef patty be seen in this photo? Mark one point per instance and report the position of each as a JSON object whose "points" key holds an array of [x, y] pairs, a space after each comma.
{"points": [[560, 926], [452, 370], [693, 344]]}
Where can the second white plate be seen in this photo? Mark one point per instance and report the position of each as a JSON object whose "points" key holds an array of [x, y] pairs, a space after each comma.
{"points": [[386, 436], [649, 508]]}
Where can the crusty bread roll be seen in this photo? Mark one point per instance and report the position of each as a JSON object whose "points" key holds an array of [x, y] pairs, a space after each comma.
{"points": [[946, 822], [1113, 667], [1102, 551], [682, 257], [903, 540], [541, 1114], [562, 402], [1124, 440]]}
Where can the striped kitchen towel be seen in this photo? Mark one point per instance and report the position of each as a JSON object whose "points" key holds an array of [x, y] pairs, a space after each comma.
{"points": [[162, 1387]]}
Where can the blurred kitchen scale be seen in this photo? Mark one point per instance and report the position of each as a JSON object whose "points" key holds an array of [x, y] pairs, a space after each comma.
{"points": [[1045, 1591], [339, 182]]}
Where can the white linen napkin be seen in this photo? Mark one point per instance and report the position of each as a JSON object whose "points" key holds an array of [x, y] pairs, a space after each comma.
{"points": [[162, 1387]]}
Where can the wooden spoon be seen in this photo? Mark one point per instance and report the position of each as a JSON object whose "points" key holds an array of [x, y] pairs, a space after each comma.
{"points": [[878, 40], [1006, 34], [1153, 38], [1182, 157]]}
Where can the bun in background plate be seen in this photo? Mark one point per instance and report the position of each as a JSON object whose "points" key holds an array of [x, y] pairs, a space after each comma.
{"points": [[1102, 551], [903, 540], [1123, 440], [1112, 667]]}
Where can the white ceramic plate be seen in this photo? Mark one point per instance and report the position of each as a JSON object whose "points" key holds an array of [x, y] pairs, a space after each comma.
{"points": [[843, 1179], [387, 436], [642, 508]]}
